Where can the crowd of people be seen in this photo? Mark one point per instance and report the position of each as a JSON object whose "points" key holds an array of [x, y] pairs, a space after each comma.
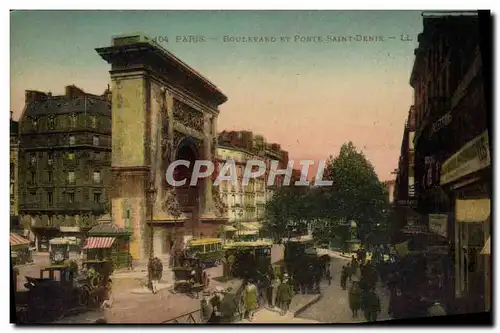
{"points": [[363, 277]]}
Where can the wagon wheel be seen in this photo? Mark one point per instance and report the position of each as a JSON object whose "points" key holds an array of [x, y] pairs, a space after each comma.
{"points": [[56, 310], [84, 296], [94, 300], [94, 281]]}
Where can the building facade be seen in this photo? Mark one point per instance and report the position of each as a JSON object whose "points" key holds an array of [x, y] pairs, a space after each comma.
{"points": [[14, 167], [452, 151], [246, 203], [163, 110], [64, 162], [404, 195]]}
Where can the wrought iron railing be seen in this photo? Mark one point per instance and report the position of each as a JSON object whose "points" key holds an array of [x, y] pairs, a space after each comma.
{"points": [[193, 317]]}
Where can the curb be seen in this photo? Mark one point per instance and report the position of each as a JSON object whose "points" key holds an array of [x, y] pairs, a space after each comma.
{"points": [[307, 305]]}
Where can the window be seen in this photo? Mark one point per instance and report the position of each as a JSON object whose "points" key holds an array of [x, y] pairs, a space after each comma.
{"points": [[71, 197], [49, 176], [12, 167], [93, 121], [34, 122], [32, 159], [51, 122], [97, 177], [95, 140], [33, 178], [50, 158], [11, 189], [71, 177], [49, 198], [72, 140], [127, 220], [97, 156], [72, 121], [71, 155], [97, 197], [33, 196]]}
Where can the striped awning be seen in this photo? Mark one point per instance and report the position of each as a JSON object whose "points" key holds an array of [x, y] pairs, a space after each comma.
{"points": [[99, 242], [487, 247], [16, 240]]}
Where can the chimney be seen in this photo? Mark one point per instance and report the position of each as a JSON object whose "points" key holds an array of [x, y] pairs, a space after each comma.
{"points": [[73, 91], [33, 95]]}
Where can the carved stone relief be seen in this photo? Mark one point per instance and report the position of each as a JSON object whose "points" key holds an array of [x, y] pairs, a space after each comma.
{"points": [[188, 116]]}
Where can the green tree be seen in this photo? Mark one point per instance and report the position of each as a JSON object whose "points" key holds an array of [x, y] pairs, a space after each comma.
{"points": [[356, 193], [288, 208]]}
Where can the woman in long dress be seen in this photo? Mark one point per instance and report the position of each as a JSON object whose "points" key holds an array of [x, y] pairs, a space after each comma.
{"points": [[250, 299]]}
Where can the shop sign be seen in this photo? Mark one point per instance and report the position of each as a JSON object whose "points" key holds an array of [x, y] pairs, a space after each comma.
{"points": [[473, 157], [69, 229], [438, 223], [413, 229], [441, 123]]}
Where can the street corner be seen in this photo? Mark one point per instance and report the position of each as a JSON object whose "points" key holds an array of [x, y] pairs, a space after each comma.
{"points": [[300, 303]]}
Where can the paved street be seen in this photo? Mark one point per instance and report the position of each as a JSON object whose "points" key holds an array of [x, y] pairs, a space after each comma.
{"points": [[333, 307], [271, 317]]}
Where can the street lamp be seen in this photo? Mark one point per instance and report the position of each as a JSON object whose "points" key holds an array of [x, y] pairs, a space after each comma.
{"points": [[240, 214], [151, 200]]}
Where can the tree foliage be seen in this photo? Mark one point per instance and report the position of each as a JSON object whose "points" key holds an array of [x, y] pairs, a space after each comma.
{"points": [[356, 194], [356, 189]]}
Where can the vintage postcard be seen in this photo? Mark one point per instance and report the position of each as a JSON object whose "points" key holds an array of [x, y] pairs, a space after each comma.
{"points": [[292, 167]]}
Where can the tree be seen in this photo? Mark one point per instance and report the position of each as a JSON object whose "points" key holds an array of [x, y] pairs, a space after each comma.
{"points": [[356, 193], [288, 209]]}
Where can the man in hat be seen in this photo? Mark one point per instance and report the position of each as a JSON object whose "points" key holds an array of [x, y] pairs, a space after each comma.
{"points": [[285, 294], [215, 303]]}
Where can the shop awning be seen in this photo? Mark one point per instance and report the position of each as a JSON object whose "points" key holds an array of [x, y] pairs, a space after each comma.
{"points": [[16, 240], [229, 228], [473, 210], [251, 225], [248, 232], [99, 242], [487, 247]]}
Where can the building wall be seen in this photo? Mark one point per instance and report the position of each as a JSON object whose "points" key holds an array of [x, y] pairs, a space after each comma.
{"points": [[64, 142], [130, 117], [14, 169]]}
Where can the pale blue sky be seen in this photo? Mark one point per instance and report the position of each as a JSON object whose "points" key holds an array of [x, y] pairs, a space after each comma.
{"points": [[310, 97]]}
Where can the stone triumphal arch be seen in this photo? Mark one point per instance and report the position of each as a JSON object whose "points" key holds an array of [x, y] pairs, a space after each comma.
{"points": [[162, 110]]}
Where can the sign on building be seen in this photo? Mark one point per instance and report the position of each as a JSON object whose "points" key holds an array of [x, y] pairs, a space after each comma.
{"points": [[438, 223], [474, 156]]}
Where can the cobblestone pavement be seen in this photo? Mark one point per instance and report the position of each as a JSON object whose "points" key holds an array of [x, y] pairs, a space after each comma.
{"points": [[333, 307], [149, 308]]}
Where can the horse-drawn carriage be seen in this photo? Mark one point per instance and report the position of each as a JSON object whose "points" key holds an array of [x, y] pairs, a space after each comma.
{"points": [[189, 277]]}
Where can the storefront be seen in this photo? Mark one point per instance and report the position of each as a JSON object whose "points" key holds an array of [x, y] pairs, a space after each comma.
{"points": [[467, 174]]}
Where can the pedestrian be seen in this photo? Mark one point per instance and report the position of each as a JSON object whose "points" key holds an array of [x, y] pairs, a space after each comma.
{"points": [[155, 271], [276, 283], [215, 303], [370, 304], [329, 276], [130, 262], [348, 270], [206, 308], [355, 299], [343, 278], [285, 295], [250, 299]]}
